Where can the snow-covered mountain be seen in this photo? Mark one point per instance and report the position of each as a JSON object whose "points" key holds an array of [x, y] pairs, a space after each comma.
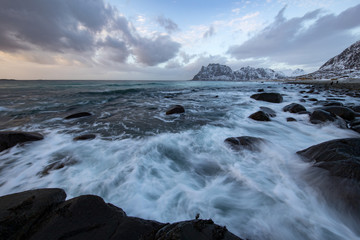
{"points": [[348, 59], [217, 72], [343, 66], [297, 72]]}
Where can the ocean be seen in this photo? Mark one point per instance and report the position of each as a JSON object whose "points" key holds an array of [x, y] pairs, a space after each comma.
{"points": [[170, 167]]}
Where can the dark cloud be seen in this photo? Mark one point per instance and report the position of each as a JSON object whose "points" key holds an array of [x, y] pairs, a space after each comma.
{"points": [[167, 24], [210, 32], [153, 52], [310, 39], [75, 26]]}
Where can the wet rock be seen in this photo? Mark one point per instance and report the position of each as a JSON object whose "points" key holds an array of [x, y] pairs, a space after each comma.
{"points": [[260, 90], [175, 109], [245, 142], [268, 111], [312, 99], [44, 214], [195, 229], [343, 112], [290, 119], [341, 157], [20, 212], [9, 139], [260, 116], [328, 104], [56, 165], [321, 116], [356, 109], [294, 108], [78, 115], [302, 100], [268, 97], [84, 137]]}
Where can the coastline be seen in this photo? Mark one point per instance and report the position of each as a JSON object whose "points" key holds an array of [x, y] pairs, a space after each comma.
{"points": [[348, 84]]}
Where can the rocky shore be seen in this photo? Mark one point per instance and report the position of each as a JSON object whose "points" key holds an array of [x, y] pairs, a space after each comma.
{"points": [[44, 214]]}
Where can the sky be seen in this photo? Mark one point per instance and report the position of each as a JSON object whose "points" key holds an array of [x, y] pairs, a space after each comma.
{"points": [[169, 39]]}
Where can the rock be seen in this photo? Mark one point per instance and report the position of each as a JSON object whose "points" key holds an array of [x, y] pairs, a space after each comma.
{"points": [[78, 115], [268, 97], [268, 111], [44, 214], [20, 212], [89, 217], [290, 119], [302, 100], [84, 137], [313, 99], [68, 161], [332, 103], [175, 109], [260, 90], [341, 157], [245, 142], [294, 108], [194, 229], [343, 112], [356, 128], [260, 116], [320, 116], [9, 139], [356, 109]]}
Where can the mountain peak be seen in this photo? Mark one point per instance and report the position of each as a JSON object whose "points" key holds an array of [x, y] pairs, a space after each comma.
{"points": [[348, 59], [218, 72]]}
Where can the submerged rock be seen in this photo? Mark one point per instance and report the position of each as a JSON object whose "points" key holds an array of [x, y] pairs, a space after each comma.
{"points": [[78, 115], [343, 112], [260, 116], [341, 157], [294, 108], [175, 109], [268, 111], [44, 214], [245, 142], [84, 137], [9, 139], [290, 119], [268, 97]]}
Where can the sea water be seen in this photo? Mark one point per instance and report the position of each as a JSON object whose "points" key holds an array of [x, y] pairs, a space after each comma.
{"points": [[170, 167]]}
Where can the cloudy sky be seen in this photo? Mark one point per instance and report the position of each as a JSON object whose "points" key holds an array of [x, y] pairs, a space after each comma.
{"points": [[169, 39]]}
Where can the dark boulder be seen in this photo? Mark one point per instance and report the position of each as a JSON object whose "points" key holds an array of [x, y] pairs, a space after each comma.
{"points": [[268, 97], [290, 119], [84, 137], [195, 229], [260, 116], [20, 212], [9, 139], [312, 99], [268, 111], [44, 214], [89, 217], [343, 112], [341, 157], [175, 109], [320, 116], [245, 142], [356, 109], [78, 115], [294, 108]]}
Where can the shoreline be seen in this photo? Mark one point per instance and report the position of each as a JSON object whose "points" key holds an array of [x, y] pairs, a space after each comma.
{"points": [[348, 84]]}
